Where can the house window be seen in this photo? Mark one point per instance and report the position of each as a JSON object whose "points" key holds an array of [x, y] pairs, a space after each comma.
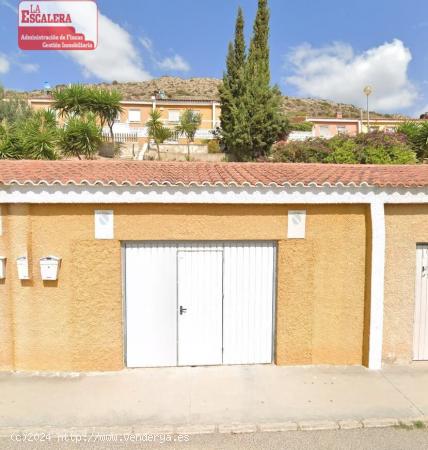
{"points": [[325, 131], [117, 117], [174, 115], [134, 115], [342, 130]]}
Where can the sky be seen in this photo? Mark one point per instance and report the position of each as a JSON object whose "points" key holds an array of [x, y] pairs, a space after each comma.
{"points": [[319, 48]]}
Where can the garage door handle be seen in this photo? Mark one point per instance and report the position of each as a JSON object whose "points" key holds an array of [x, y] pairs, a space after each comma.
{"points": [[182, 310]]}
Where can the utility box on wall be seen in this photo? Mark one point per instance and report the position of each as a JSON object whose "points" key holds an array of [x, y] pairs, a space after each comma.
{"points": [[2, 267], [22, 266], [296, 224], [49, 268]]}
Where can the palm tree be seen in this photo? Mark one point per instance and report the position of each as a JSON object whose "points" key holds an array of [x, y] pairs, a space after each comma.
{"points": [[81, 136], [156, 130], [76, 99], [190, 121], [38, 136], [106, 105], [9, 142]]}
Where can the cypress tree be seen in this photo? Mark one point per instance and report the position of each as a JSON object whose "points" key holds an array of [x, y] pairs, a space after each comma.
{"points": [[234, 115], [251, 118], [226, 96], [267, 123], [258, 58], [239, 48]]}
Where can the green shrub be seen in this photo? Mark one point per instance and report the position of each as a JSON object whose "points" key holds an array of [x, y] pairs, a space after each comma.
{"points": [[309, 151], [343, 155], [389, 155], [372, 148], [214, 147], [13, 108], [417, 135]]}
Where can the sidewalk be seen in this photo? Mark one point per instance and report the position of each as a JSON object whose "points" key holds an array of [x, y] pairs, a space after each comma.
{"points": [[212, 396]]}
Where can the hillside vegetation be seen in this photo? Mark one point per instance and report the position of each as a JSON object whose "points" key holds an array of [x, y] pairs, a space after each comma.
{"points": [[207, 88]]}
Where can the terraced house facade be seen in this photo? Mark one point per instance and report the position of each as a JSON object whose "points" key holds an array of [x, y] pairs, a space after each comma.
{"points": [[131, 123], [108, 265]]}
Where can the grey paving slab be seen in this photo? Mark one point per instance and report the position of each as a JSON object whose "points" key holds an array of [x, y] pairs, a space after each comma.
{"points": [[239, 395]]}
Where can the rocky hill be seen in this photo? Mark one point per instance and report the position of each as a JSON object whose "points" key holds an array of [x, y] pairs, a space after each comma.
{"points": [[207, 88]]}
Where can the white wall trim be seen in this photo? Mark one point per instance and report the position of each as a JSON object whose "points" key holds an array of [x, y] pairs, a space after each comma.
{"points": [[377, 284], [208, 194]]}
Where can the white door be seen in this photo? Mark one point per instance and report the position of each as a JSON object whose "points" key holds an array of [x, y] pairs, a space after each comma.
{"points": [[151, 305], [200, 295], [420, 339], [199, 303], [249, 272]]}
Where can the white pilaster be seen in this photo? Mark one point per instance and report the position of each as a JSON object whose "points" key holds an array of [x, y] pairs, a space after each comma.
{"points": [[377, 209], [214, 114]]}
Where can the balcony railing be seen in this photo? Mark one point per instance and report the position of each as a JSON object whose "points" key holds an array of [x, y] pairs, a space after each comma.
{"points": [[126, 133], [131, 136]]}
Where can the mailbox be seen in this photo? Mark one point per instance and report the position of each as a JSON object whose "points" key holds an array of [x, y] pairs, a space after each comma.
{"points": [[49, 266], [2, 267], [22, 266]]}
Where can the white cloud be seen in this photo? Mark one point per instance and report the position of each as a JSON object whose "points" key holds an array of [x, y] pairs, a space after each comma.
{"points": [[146, 43], [8, 61], [174, 63], [29, 67], [115, 58], [4, 64], [337, 73]]}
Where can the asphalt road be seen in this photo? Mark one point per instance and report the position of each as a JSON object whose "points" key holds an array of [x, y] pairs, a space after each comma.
{"points": [[366, 439]]}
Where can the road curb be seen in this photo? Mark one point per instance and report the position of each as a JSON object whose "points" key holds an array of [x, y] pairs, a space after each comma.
{"points": [[350, 424], [279, 426], [380, 423], [318, 425], [234, 428]]}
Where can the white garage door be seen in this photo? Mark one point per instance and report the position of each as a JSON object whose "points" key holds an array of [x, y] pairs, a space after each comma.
{"points": [[199, 303], [420, 339]]}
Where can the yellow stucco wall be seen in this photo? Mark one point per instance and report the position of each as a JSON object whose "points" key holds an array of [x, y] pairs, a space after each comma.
{"points": [[76, 323], [406, 226], [321, 289], [6, 305]]}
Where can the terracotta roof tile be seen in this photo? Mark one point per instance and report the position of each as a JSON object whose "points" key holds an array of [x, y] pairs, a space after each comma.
{"points": [[144, 173]]}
